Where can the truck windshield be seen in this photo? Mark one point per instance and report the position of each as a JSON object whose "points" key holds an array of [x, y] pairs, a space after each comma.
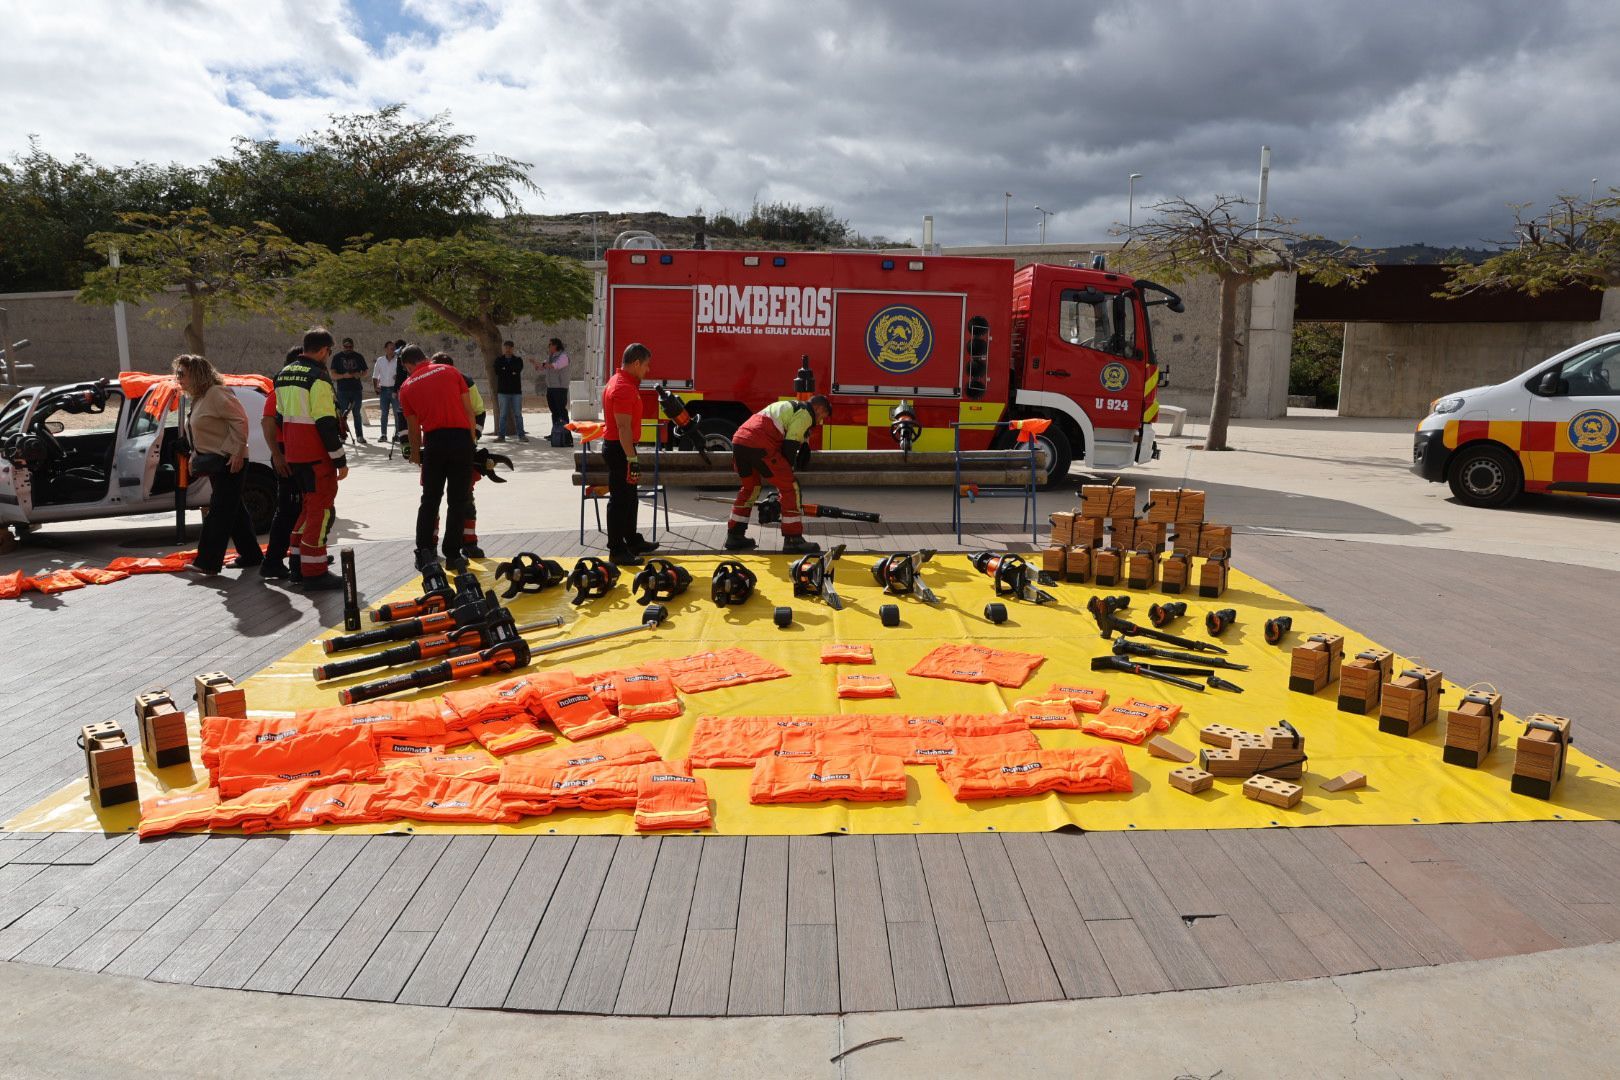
{"points": [[1086, 319]]}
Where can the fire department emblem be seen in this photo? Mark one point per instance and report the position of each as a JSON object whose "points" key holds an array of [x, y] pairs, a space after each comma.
{"points": [[899, 339], [1593, 431], [1114, 377]]}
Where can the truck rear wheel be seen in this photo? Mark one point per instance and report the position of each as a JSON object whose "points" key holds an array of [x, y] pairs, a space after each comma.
{"points": [[259, 496], [1485, 475]]}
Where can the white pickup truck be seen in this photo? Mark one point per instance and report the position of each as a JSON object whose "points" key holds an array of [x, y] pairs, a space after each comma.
{"points": [[86, 450]]}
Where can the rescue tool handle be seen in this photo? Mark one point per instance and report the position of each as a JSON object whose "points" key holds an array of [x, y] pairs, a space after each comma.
{"points": [[339, 669], [426, 604], [405, 680], [400, 631]]}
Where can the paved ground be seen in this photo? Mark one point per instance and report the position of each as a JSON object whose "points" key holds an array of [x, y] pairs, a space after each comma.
{"points": [[776, 925]]}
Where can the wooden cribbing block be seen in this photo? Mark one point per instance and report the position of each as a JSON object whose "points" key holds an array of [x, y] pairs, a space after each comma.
{"points": [[1131, 533], [1278, 751], [1315, 664], [1362, 679], [1142, 569], [1223, 736], [1345, 782], [1184, 540], [1087, 532], [1106, 566], [1212, 577], [1471, 728], [1411, 701], [217, 695], [1107, 501], [1191, 779], [1063, 528], [1055, 558], [109, 763], [1538, 764], [163, 737], [151, 701], [1269, 789], [1175, 573], [1178, 504], [1078, 564], [1214, 540], [1161, 747]]}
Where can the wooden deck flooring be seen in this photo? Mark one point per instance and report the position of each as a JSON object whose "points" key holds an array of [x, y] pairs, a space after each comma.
{"points": [[783, 925]]}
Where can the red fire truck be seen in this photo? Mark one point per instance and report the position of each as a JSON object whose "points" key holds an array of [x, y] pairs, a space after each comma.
{"points": [[956, 339]]}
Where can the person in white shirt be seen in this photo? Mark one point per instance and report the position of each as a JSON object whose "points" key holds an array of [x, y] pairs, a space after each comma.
{"points": [[383, 371]]}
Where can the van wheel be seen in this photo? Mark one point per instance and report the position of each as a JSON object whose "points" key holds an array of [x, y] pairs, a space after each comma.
{"points": [[259, 496], [1486, 476]]}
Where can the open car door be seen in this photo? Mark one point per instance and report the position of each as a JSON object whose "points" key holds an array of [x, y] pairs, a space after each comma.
{"points": [[18, 458], [140, 455]]}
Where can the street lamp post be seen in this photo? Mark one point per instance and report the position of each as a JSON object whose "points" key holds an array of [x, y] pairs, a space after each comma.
{"points": [[1130, 200], [1006, 211], [596, 251], [1044, 215], [1594, 189]]}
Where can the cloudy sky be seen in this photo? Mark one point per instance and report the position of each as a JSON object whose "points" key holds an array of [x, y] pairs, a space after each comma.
{"points": [[1393, 122]]}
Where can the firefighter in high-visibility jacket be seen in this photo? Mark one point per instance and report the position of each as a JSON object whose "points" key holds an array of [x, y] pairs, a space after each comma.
{"points": [[763, 452], [306, 415]]}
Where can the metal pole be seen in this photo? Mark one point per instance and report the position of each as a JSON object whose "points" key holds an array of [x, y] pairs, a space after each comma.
{"points": [[1044, 215], [596, 251], [1130, 200], [1265, 180], [1006, 212], [120, 325], [1594, 189]]}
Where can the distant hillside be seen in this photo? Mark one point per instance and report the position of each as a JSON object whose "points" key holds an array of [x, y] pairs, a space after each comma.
{"points": [[570, 234], [1412, 254]]}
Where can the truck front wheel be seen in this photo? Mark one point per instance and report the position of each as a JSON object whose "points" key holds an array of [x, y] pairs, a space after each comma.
{"points": [[716, 434], [1059, 456], [259, 496], [1485, 475]]}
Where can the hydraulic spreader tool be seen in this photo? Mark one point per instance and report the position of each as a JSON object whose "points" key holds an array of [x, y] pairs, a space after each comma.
{"points": [[813, 576], [683, 426], [660, 579], [732, 584], [1012, 576], [770, 509], [527, 572], [902, 574], [591, 579]]}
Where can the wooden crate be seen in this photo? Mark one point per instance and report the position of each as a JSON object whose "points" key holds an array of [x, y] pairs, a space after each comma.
{"points": [[1471, 728], [1212, 578], [1191, 779], [1175, 573], [109, 763], [1214, 540], [1106, 566], [1538, 764], [1078, 564], [1315, 664], [1175, 505], [217, 695], [1270, 790], [1411, 701], [1107, 501], [1142, 569], [1062, 528], [1362, 678]]}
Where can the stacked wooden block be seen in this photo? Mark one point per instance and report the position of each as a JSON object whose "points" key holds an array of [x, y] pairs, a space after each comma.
{"points": [[1269, 789], [163, 729], [1361, 680], [217, 695], [1315, 664], [109, 763], [1278, 751], [1410, 701], [1471, 728], [1539, 763], [1069, 551]]}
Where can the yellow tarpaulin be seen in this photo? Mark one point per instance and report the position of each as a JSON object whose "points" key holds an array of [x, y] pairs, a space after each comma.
{"points": [[1407, 781]]}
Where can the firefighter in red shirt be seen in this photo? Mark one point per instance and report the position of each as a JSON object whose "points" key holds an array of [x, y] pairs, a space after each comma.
{"points": [[762, 452], [312, 442], [621, 410], [439, 411]]}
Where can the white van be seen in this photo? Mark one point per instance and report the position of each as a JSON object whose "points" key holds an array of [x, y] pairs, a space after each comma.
{"points": [[1554, 429]]}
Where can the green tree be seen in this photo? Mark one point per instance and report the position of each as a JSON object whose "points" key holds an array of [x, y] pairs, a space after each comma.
{"points": [[1183, 240], [1572, 243], [204, 272], [378, 174], [1314, 360], [464, 284]]}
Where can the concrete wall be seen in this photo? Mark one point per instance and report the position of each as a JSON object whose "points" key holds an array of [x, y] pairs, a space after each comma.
{"points": [[74, 341], [1396, 369]]}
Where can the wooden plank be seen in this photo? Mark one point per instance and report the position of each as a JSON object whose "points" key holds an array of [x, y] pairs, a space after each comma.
{"points": [[1073, 954], [1239, 962], [865, 977], [1187, 891], [704, 982], [1131, 963], [970, 959], [810, 881], [1178, 953], [758, 963], [1026, 970], [387, 969], [1479, 851], [719, 884], [489, 975], [598, 971], [54, 847], [339, 903], [101, 892], [29, 928], [655, 956], [1088, 883], [811, 976], [435, 979], [439, 891], [1332, 946], [539, 981], [625, 891], [360, 935], [1243, 848], [918, 965]]}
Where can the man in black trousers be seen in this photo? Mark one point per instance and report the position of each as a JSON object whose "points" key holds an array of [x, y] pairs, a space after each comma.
{"points": [[439, 412]]}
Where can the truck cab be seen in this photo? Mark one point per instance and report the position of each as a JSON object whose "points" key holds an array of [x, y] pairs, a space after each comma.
{"points": [[86, 450], [1554, 429]]}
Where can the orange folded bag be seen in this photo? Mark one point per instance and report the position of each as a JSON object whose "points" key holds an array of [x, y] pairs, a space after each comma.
{"points": [[854, 777], [391, 752], [846, 654], [14, 584], [219, 731], [714, 670], [857, 684], [1083, 698], [171, 813], [578, 713], [726, 742], [978, 664], [58, 581], [92, 575], [337, 804], [626, 748], [509, 734], [669, 797], [923, 744], [335, 755], [260, 809], [471, 765], [380, 719], [1132, 722], [642, 694], [609, 786], [422, 796], [521, 693], [1070, 770], [1047, 712]]}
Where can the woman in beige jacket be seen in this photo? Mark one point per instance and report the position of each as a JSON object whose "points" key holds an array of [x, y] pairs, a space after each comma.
{"points": [[217, 429]]}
